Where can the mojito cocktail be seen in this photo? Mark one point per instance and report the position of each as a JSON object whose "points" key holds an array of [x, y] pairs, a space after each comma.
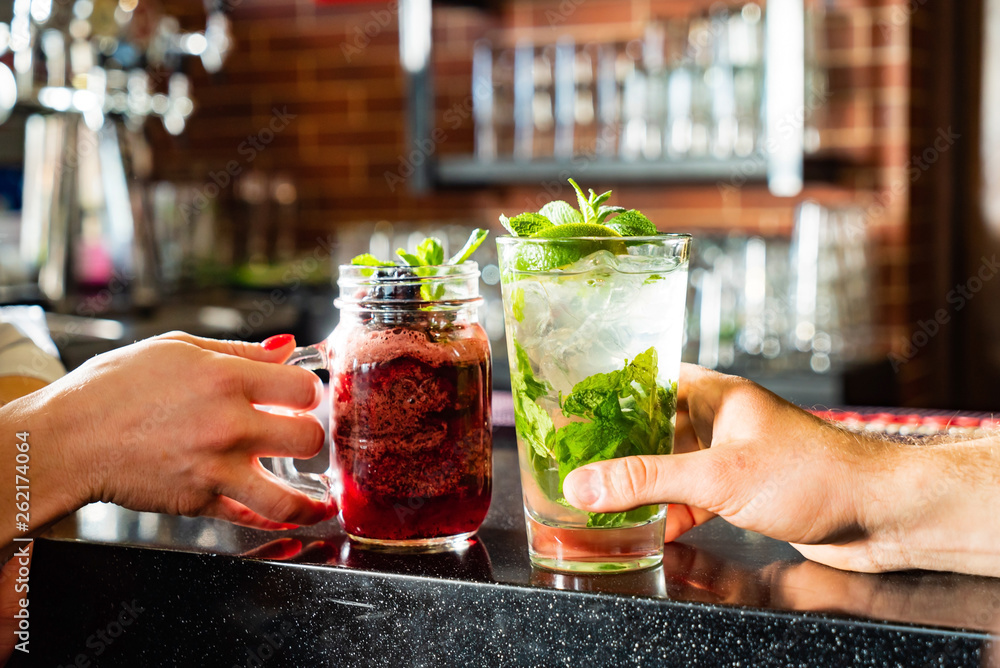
{"points": [[594, 332]]}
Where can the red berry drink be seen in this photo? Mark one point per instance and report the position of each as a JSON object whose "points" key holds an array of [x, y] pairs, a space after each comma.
{"points": [[412, 429], [410, 424]]}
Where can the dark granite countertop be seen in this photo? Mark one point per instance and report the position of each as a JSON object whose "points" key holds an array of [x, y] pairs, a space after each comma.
{"points": [[200, 592]]}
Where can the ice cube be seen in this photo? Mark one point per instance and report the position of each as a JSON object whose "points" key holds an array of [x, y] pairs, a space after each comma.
{"points": [[637, 262], [601, 259]]}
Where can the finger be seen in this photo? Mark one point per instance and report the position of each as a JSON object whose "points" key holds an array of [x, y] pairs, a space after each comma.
{"points": [[700, 392], [685, 438], [275, 435], [265, 494], [275, 385], [224, 508], [251, 351], [682, 518], [690, 379], [620, 484]]}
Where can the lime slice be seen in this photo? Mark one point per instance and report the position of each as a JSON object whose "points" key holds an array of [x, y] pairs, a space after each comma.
{"points": [[546, 257], [575, 230]]}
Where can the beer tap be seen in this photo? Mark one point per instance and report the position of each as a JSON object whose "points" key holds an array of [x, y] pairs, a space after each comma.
{"points": [[108, 66]]}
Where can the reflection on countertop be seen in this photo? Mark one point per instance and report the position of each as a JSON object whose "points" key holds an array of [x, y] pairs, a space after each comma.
{"points": [[714, 564], [734, 594]]}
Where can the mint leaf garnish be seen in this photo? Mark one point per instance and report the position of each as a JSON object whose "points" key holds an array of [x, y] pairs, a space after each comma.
{"points": [[632, 224], [430, 251], [590, 204], [533, 424], [532, 387], [477, 237], [561, 213], [526, 224], [428, 254], [409, 258], [605, 211], [593, 210], [369, 260], [430, 294], [651, 407], [584, 202], [517, 304], [597, 200], [505, 221], [624, 413], [611, 520]]}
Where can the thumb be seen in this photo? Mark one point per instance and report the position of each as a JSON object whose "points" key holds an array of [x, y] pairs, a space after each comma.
{"points": [[621, 484], [275, 349]]}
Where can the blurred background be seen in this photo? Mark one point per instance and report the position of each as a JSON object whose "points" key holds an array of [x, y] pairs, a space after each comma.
{"points": [[205, 166]]}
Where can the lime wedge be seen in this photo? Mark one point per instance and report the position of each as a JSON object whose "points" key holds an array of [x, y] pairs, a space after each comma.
{"points": [[575, 230], [566, 248]]}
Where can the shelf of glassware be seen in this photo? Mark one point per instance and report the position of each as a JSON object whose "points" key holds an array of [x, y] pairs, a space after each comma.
{"points": [[470, 171]]}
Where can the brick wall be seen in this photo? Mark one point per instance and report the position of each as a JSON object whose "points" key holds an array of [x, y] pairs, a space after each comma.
{"points": [[335, 67]]}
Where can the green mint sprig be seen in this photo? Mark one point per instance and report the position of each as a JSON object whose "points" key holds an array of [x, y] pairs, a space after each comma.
{"points": [[625, 411], [428, 254], [477, 237], [533, 424], [369, 260], [592, 210]]}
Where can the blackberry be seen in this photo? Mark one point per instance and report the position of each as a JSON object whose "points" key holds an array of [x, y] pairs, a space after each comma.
{"points": [[391, 290]]}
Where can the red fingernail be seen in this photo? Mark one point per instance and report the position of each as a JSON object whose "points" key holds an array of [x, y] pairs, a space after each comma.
{"points": [[278, 341]]}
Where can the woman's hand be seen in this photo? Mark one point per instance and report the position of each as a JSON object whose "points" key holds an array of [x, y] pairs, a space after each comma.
{"points": [[170, 425], [842, 499]]}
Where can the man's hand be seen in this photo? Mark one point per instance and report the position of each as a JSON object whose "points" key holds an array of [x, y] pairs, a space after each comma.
{"points": [[842, 499]]}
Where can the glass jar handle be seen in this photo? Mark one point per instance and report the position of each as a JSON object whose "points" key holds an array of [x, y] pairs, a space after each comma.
{"points": [[319, 486]]}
